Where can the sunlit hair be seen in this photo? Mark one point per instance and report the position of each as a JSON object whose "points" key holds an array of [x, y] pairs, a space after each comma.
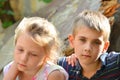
{"points": [[94, 20], [41, 32]]}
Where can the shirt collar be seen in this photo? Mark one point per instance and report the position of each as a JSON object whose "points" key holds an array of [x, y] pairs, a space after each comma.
{"points": [[78, 67], [102, 58]]}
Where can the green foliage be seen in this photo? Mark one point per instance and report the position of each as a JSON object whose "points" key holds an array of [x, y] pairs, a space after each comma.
{"points": [[8, 12], [46, 1], [4, 12], [6, 24], [2, 3]]}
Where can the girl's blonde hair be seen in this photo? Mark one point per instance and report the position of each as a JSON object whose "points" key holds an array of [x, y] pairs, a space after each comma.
{"points": [[94, 20], [41, 32]]}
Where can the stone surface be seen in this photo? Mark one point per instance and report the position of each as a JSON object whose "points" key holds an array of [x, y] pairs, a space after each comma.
{"points": [[1, 28], [23, 8], [115, 33], [2, 35], [6, 54], [6, 47], [60, 12]]}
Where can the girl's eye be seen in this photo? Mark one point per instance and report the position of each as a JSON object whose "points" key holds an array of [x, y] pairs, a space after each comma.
{"points": [[33, 54], [21, 50]]}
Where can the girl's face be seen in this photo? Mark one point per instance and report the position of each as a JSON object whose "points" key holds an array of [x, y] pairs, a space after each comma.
{"points": [[88, 45], [27, 54]]}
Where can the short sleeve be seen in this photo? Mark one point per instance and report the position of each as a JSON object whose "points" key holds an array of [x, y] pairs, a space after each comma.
{"points": [[6, 68]]}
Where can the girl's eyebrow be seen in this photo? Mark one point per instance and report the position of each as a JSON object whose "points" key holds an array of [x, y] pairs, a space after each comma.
{"points": [[19, 46]]}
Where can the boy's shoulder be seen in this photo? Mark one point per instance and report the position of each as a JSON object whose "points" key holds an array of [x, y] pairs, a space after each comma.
{"points": [[73, 71], [113, 58], [68, 67], [62, 61]]}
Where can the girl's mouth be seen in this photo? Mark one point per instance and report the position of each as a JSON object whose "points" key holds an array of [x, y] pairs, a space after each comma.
{"points": [[23, 65]]}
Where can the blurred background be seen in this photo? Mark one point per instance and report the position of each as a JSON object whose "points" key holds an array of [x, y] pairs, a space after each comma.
{"points": [[61, 13]]}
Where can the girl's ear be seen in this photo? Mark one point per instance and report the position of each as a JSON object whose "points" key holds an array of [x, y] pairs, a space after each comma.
{"points": [[71, 40], [106, 45]]}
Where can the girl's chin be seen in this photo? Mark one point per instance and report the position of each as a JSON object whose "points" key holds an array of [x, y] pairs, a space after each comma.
{"points": [[21, 69]]}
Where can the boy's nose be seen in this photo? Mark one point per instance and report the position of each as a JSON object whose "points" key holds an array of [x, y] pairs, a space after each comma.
{"points": [[88, 47]]}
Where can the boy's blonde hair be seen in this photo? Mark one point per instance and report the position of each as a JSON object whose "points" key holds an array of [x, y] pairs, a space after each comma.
{"points": [[41, 32], [94, 20]]}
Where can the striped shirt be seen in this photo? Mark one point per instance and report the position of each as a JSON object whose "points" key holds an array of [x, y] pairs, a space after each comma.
{"points": [[110, 69]]}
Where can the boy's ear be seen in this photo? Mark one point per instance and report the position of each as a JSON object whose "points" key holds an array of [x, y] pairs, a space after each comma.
{"points": [[71, 40], [106, 45]]}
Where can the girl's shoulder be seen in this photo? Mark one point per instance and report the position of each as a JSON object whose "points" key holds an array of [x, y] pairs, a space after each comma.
{"points": [[6, 68], [49, 68]]}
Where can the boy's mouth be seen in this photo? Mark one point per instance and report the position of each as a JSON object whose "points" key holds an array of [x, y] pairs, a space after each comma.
{"points": [[86, 55]]}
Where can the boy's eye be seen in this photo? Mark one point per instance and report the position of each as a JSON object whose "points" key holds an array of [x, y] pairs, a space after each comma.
{"points": [[82, 40], [97, 42]]}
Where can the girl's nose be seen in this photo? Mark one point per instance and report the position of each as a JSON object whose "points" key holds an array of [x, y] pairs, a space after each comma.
{"points": [[24, 57]]}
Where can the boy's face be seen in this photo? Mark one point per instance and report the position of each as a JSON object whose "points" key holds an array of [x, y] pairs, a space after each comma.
{"points": [[27, 54], [88, 45]]}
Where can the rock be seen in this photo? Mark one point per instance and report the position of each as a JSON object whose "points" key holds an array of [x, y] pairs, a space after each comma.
{"points": [[115, 34], [1, 28], [60, 12], [6, 52], [6, 55], [2, 35]]}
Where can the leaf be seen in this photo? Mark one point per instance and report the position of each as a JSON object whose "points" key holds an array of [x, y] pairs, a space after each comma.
{"points": [[39, 0], [9, 12], [47, 1], [110, 11], [6, 24]]}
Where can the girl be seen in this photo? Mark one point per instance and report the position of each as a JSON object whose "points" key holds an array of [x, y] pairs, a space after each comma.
{"points": [[36, 47]]}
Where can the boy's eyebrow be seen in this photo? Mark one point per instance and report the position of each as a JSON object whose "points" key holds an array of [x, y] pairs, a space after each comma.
{"points": [[81, 36], [96, 39]]}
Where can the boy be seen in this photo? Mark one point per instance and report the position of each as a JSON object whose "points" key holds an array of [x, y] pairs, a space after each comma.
{"points": [[90, 40]]}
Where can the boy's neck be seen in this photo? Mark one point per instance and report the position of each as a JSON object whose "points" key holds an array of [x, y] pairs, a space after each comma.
{"points": [[89, 70]]}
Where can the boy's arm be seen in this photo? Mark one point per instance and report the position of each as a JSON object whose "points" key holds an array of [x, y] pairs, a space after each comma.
{"points": [[69, 60], [72, 59], [12, 72]]}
